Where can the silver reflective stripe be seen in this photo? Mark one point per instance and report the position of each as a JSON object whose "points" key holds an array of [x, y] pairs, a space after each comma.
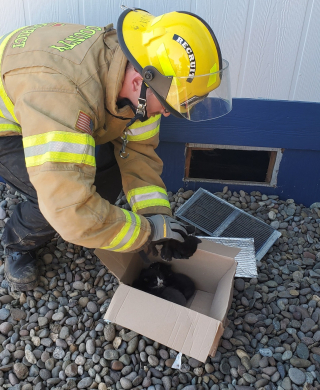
{"points": [[150, 195], [129, 234], [144, 129], [9, 126], [5, 113], [56, 146], [8, 122], [4, 37]]}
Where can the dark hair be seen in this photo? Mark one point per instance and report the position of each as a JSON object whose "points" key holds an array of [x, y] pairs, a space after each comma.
{"points": [[129, 66]]}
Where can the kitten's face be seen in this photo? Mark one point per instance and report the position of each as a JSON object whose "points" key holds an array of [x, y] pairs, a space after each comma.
{"points": [[163, 269], [154, 279]]}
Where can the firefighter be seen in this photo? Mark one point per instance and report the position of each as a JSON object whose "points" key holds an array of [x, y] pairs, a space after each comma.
{"points": [[64, 90]]}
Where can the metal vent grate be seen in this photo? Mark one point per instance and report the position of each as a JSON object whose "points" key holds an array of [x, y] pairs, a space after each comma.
{"points": [[200, 214], [242, 229], [217, 217]]}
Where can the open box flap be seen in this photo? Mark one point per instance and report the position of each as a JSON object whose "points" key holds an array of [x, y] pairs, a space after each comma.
{"points": [[216, 341], [223, 295], [173, 325], [219, 249], [116, 262]]}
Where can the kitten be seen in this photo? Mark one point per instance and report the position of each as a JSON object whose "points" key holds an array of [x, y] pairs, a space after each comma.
{"points": [[173, 295], [161, 281], [177, 280], [176, 249], [151, 281]]}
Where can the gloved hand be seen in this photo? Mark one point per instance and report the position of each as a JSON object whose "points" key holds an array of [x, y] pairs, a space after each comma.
{"points": [[165, 228], [179, 250], [173, 236]]}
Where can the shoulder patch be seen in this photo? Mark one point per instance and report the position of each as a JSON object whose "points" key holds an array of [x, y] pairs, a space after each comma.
{"points": [[84, 123]]}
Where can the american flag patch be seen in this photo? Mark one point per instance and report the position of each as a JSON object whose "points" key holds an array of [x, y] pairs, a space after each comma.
{"points": [[84, 123]]}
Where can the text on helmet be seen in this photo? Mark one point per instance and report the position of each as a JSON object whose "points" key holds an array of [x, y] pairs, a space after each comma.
{"points": [[190, 54]]}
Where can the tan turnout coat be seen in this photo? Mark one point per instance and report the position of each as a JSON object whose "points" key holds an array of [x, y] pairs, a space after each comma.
{"points": [[58, 90]]}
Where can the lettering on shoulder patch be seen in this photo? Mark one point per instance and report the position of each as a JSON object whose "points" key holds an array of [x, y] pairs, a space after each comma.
{"points": [[190, 54], [24, 34], [84, 123], [76, 39]]}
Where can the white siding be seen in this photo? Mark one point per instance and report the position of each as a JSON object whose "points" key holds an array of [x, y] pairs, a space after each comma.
{"points": [[228, 20], [11, 17], [271, 48], [272, 45], [305, 85], [44, 11]]}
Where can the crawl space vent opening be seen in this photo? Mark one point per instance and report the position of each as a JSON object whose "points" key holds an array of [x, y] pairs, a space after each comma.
{"points": [[232, 164]]}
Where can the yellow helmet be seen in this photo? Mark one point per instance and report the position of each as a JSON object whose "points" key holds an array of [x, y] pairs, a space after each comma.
{"points": [[179, 58]]}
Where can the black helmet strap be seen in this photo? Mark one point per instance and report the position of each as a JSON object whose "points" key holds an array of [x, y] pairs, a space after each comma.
{"points": [[141, 115], [141, 110]]}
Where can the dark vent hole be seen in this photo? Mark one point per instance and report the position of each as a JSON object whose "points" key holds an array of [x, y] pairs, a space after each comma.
{"points": [[229, 164]]}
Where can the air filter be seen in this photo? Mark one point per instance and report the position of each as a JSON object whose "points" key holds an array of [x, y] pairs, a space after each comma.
{"points": [[217, 217], [246, 259]]}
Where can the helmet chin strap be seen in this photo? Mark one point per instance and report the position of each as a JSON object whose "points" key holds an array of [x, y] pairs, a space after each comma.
{"points": [[141, 115], [141, 111]]}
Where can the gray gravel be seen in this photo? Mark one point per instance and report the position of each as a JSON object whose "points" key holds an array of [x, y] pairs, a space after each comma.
{"points": [[55, 338]]}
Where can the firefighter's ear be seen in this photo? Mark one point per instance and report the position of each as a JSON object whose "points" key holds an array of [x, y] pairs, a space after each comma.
{"points": [[136, 81], [131, 86]]}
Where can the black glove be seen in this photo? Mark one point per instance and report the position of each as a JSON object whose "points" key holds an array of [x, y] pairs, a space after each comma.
{"points": [[179, 250]]}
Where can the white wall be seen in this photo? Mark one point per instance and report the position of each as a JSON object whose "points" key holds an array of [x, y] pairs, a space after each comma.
{"points": [[272, 45]]}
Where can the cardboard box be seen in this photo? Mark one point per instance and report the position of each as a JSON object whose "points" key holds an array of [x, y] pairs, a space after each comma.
{"points": [[194, 330]]}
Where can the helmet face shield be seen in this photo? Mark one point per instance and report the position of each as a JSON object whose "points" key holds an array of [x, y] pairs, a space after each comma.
{"points": [[183, 95]]}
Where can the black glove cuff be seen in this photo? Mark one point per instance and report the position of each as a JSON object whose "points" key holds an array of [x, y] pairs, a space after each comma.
{"points": [[152, 231]]}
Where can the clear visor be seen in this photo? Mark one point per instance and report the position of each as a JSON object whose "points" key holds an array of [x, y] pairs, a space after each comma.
{"points": [[201, 98]]}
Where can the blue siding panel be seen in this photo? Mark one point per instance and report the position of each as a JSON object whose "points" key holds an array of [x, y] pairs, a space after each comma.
{"points": [[268, 123], [172, 154], [293, 126], [298, 178]]}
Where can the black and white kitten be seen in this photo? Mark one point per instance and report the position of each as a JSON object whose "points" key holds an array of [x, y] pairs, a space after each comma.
{"points": [[151, 281], [160, 280], [179, 281]]}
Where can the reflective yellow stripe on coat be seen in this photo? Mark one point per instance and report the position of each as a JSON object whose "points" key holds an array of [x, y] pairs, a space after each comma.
{"points": [[140, 131], [8, 120], [148, 196], [59, 146], [127, 236]]}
